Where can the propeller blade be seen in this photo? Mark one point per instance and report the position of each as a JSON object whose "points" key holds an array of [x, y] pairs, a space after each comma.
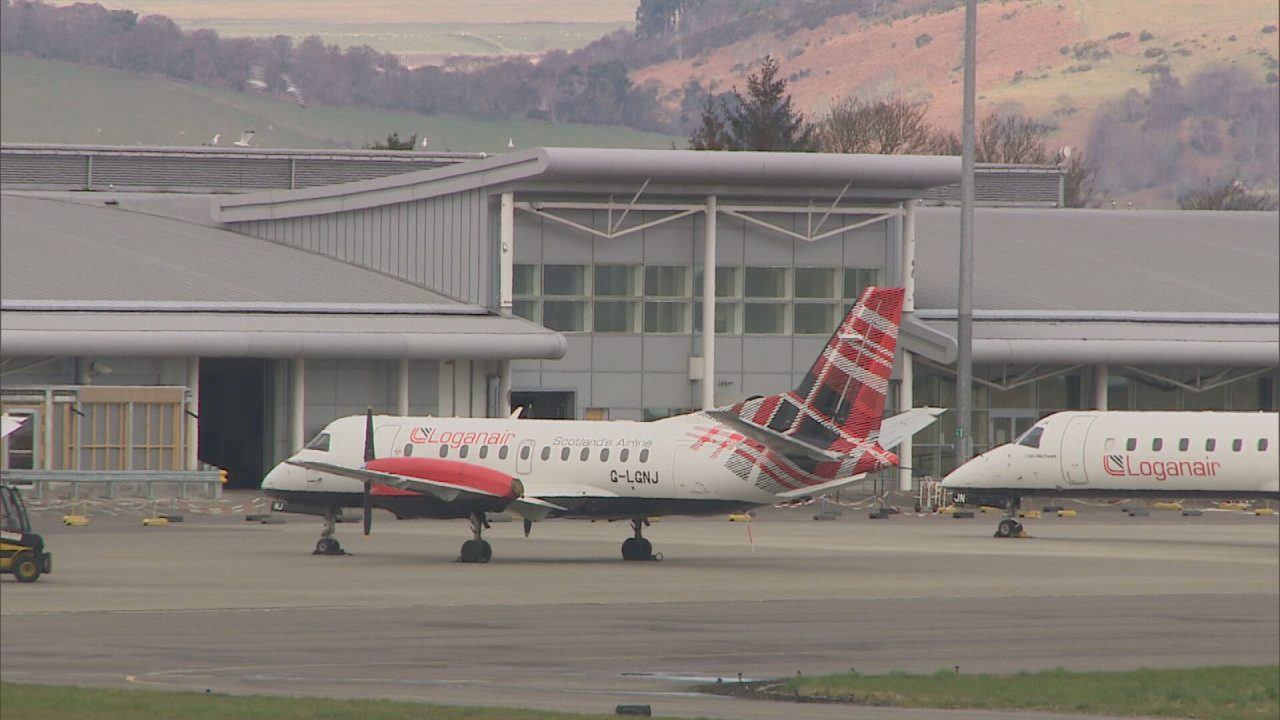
{"points": [[369, 455], [528, 526], [368, 436], [368, 508]]}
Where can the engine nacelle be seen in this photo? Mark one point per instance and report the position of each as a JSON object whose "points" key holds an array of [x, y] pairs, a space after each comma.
{"points": [[452, 472]]}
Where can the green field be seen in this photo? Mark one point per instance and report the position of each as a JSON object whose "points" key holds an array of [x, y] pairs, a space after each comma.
{"points": [[58, 102], [1216, 693], [56, 702]]}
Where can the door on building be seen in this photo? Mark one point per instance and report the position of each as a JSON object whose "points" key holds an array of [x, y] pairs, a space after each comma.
{"points": [[21, 447], [233, 418], [1005, 425], [544, 404]]}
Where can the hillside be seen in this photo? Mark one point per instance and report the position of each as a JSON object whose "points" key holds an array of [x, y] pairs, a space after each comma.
{"points": [[52, 101], [1046, 58]]}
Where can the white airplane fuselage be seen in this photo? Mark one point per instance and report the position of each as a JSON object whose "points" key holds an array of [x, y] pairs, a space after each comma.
{"points": [[1115, 454], [672, 466]]}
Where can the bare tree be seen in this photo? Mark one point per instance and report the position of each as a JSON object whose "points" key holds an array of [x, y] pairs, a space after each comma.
{"points": [[1079, 172], [1232, 195], [885, 127], [1013, 139]]}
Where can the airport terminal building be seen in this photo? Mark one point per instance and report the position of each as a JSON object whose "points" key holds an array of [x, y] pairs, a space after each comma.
{"points": [[166, 307]]}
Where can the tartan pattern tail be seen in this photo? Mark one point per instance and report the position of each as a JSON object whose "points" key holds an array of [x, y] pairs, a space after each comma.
{"points": [[841, 401]]}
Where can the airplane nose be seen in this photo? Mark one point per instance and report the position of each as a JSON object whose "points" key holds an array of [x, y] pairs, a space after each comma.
{"points": [[277, 477]]}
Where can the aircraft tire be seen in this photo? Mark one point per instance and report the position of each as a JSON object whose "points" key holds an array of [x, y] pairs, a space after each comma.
{"points": [[486, 551], [328, 546], [472, 551], [632, 549], [1008, 527]]}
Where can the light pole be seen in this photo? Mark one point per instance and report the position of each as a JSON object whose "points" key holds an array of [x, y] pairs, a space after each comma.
{"points": [[964, 305]]}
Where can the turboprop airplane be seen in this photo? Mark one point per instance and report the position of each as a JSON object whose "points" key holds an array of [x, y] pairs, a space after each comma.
{"points": [[813, 440], [1125, 454]]}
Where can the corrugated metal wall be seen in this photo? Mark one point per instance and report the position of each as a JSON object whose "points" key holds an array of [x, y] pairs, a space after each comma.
{"points": [[441, 243]]}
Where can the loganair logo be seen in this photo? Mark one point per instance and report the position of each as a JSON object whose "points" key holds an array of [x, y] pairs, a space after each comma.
{"points": [[1124, 466], [457, 438]]}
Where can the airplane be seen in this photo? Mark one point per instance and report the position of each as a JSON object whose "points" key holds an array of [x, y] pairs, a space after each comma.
{"points": [[823, 435], [1125, 454]]}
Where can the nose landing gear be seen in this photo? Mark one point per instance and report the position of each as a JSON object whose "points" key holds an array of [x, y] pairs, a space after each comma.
{"points": [[637, 547], [328, 544], [1009, 526], [476, 550]]}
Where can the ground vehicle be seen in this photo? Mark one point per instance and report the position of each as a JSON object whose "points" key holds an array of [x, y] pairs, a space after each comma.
{"points": [[21, 551]]}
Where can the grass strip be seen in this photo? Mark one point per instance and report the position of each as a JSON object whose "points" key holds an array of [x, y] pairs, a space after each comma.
{"points": [[1212, 693], [61, 702]]}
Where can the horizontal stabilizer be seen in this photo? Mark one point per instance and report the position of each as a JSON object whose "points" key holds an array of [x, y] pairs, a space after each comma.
{"points": [[772, 439], [819, 490], [900, 427]]}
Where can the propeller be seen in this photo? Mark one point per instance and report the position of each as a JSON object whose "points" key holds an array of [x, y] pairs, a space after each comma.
{"points": [[368, 456]]}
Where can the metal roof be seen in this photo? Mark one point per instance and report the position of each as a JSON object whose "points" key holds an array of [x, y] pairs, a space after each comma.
{"points": [[1103, 260], [69, 251], [77, 279], [821, 174]]}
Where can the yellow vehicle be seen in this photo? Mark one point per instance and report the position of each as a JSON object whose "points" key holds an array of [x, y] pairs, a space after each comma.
{"points": [[21, 551]]}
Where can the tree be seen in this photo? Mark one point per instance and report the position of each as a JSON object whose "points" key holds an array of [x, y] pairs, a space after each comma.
{"points": [[395, 143], [1012, 139], [763, 120], [1079, 171], [886, 127], [1232, 195]]}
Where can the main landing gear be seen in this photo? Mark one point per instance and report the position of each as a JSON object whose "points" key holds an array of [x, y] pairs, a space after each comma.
{"points": [[637, 547], [328, 544], [476, 550], [1009, 526]]}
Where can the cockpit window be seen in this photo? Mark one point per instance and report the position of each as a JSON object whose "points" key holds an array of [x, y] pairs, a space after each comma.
{"points": [[319, 442], [1031, 438]]}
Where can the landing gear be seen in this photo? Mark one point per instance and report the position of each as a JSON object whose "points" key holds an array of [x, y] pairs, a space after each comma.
{"points": [[637, 547], [476, 550], [328, 544], [1009, 526]]}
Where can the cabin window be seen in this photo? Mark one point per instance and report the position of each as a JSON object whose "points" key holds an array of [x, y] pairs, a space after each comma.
{"points": [[604, 455], [1210, 445], [644, 455], [1184, 444], [502, 453], [1031, 438], [1262, 444], [1237, 445], [484, 451], [564, 454], [586, 453], [444, 451], [622, 454], [1157, 443], [525, 452], [1131, 444], [319, 442], [408, 450], [462, 451], [546, 453]]}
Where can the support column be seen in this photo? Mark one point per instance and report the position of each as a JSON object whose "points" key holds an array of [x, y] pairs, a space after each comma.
{"points": [[192, 459], [709, 306], [906, 382], [402, 388], [297, 400], [506, 249], [504, 388], [1100, 387]]}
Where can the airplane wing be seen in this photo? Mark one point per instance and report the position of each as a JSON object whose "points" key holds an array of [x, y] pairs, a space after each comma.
{"points": [[530, 507], [896, 429]]}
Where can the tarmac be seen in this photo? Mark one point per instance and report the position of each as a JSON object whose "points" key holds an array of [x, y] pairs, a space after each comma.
{"points": [[559, 621]]}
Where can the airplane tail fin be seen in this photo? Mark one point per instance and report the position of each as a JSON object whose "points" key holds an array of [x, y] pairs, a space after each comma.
{"points": [[840, 403]]}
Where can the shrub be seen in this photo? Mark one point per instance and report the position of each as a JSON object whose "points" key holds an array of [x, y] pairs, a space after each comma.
{"points": [[1145, 36], [923, 39]]}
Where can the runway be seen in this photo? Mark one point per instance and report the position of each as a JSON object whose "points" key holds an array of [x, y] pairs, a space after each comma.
{"points": [[558, 621]]}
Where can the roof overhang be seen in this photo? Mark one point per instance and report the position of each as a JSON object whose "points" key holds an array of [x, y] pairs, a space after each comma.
{"points": [[1243, 339], [271, 331], [883, 176]]}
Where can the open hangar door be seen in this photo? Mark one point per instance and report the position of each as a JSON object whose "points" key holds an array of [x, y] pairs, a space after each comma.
{"points": [[234, 418]]}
